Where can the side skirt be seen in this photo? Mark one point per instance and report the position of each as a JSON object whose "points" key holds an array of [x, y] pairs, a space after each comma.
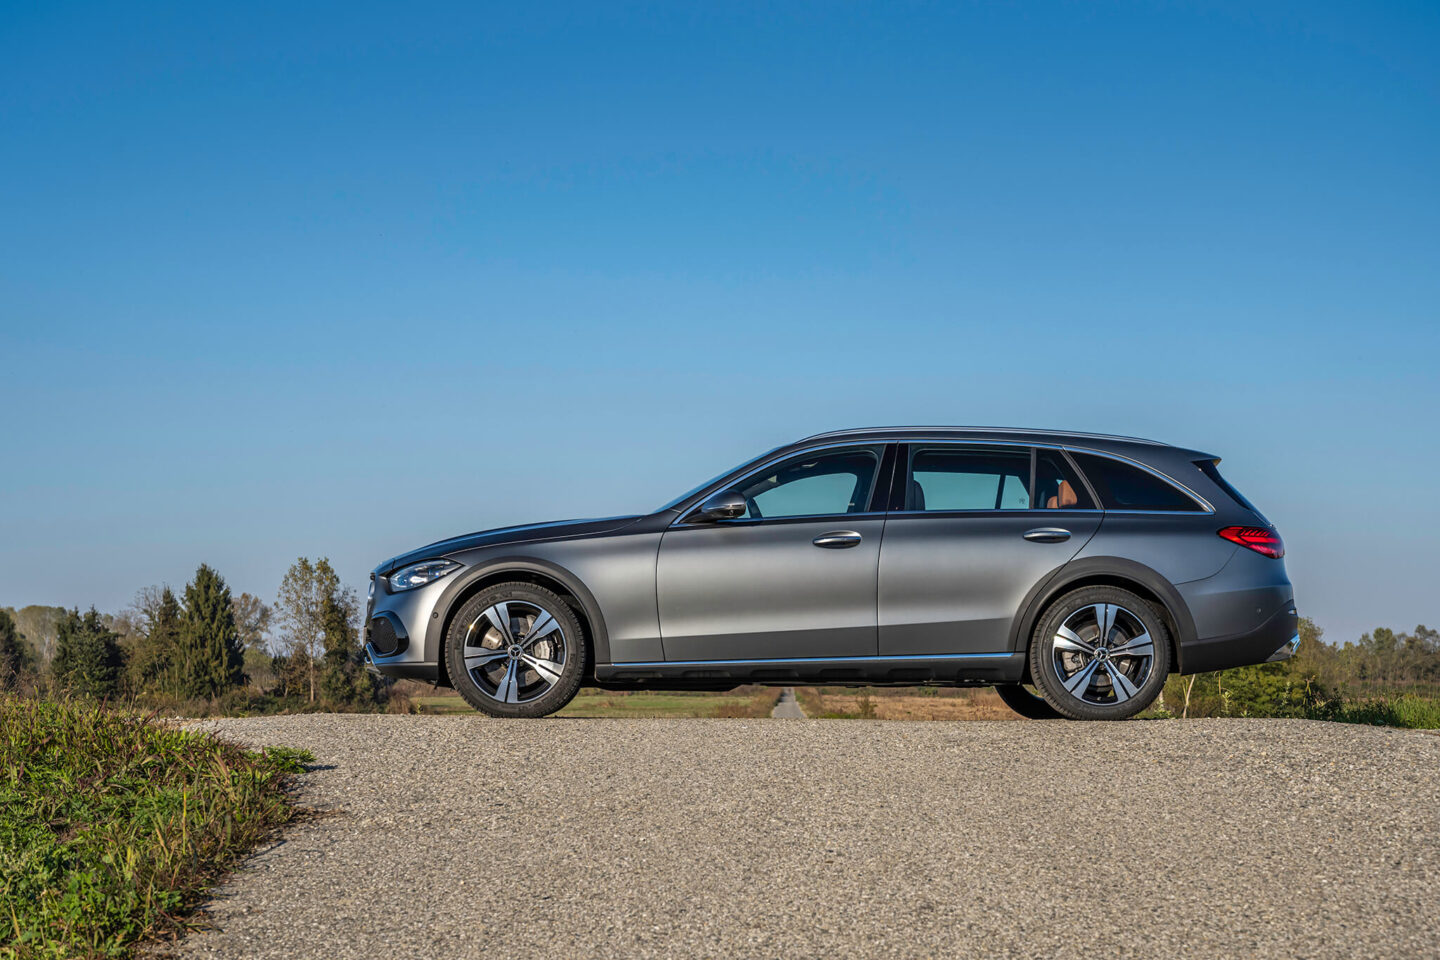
{"points": [[960, 668]]}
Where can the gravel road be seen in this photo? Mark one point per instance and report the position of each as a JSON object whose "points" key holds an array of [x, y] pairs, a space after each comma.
{"points": [[459, 837]]}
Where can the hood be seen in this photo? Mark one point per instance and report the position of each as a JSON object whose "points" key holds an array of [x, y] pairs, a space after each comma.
{"points": [[525, 533]]}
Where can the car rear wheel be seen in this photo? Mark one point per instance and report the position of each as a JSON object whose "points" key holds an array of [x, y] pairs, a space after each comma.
{"points": [[1100, 653], [1025, 703], [516, 650]]}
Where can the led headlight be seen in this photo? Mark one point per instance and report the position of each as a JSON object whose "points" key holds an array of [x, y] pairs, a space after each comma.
{"points": [[419, 574]]}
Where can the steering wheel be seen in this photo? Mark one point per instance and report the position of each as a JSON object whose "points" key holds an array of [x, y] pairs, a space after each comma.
{"points": [[754, 508]]}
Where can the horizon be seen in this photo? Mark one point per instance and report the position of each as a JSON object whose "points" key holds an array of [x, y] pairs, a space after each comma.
{"points": [[336, 282]]}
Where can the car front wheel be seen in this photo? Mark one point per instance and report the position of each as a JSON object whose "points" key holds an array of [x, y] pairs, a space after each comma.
{"points": [[1100, 653], [516, 650]]}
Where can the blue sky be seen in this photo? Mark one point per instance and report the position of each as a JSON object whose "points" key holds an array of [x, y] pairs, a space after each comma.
{"points": [[283, 279]]}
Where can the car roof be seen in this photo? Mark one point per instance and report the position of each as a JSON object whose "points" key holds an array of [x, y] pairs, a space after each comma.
{"points": [[1010, 434]]}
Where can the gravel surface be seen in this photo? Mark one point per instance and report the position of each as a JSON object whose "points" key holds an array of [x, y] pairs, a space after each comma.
{"points": [[458, 837]]}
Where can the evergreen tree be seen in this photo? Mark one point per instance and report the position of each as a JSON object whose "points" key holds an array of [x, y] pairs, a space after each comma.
{"points": [[343, 677], [153, 662], [14, 658], [87, 655], [210, 661]]}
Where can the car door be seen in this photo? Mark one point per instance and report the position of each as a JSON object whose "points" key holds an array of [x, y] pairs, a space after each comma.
{"points": [[974, 529], [792, 578]]}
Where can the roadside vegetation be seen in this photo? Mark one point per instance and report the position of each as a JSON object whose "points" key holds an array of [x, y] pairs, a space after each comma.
{"points": [[112, 826], [203, 652]]}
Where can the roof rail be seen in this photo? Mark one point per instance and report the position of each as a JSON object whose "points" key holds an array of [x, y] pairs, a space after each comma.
{"points": [[1026, 431]]}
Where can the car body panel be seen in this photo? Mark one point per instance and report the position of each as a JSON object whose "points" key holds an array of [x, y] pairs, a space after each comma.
{"points": [[951, 582], [764, 590]]}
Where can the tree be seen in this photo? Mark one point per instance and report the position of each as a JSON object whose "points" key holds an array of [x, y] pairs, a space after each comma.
{"points": [[87, 655], [14, 657], [343, 677], [153, 663], [300, 612], [210, 661]]}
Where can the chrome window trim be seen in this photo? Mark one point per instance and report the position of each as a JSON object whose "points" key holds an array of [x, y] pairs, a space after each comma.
{"points": [[1208, 508], [721, 663], [686, 508]]}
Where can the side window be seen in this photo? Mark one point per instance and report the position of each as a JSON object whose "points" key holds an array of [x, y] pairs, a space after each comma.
{"points": [[1125, 487], [1057, 487], [953, 479], [814, 485]]}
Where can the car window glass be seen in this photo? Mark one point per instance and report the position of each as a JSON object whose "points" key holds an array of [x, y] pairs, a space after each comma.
{"points": [[1122, 486], [969, 480], [815, 485], [1057, 486]]}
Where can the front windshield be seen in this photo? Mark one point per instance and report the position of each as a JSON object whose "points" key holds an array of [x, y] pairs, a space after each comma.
{"points": [[715, 479]]}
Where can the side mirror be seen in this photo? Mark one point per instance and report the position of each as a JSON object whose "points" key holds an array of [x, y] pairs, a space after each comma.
{"points": [[723, 506]]}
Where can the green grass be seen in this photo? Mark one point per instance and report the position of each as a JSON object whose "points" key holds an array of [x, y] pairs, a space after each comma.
{"points": [[112, 826], [592, 703], [1416, 713]]}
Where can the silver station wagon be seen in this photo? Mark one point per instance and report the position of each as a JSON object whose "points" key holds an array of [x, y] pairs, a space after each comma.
{"points": [[1072, 572]]}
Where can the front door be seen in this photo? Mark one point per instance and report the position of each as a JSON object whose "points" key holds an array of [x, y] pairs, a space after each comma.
{"points": [[794, 578], [980, 528]]}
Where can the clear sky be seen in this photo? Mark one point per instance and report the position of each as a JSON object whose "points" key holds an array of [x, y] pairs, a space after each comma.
{"points": [[285, 279]]}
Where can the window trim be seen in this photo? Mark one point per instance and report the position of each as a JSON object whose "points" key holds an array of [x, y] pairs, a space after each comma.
{"points": [[880, 448], [902, 463], [1206, 508], [912, 449]]}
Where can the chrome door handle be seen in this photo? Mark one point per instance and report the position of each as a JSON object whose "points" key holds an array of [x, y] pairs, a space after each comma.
{"points": [[1047, 535], [837, 538]]}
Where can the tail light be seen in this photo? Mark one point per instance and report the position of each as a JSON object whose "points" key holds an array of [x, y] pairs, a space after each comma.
{"points": [[1260, 539]]}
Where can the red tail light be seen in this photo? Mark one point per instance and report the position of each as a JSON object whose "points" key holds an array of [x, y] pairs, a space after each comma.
{"points": [[1260, 539]]}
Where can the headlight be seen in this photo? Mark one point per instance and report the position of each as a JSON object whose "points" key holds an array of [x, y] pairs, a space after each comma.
{"points": [[419, 574]]}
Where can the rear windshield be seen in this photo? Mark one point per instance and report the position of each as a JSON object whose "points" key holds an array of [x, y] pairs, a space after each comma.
{"points": [[1122, 486], [1211, 469]]}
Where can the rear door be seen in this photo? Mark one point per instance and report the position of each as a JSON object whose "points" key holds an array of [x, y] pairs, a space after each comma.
{"points": [[793, 578], [974, 527]]}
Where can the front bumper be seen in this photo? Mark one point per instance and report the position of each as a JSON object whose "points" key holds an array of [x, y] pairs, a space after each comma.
{"points": [[401, 622]]}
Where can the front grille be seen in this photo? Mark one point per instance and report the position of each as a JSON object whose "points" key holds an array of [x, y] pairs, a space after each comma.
{"points": [[384, 638]]}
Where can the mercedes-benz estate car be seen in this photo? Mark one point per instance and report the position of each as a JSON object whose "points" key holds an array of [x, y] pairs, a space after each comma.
{"points": [[1083, 568]]}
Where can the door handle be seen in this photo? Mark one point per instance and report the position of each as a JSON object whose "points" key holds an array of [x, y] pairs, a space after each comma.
{"points": [[1047, 535], [836, 539]]}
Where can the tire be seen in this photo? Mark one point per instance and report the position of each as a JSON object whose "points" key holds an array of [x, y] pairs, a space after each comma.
{"points": [[1025, 703], [1083, 685], [502, 665]]}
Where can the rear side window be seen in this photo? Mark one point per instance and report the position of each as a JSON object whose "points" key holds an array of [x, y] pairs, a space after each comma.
{"points": [[1211, 469], [1056, 485], [969, 480], [1122, 486]]}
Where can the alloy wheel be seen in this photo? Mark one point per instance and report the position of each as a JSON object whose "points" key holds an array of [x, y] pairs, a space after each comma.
{"points": [[514, 651], [1103, 654]]}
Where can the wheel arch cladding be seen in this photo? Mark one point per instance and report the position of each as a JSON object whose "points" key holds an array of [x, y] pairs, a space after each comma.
{"points": [[521, 570], [1109, 572]]}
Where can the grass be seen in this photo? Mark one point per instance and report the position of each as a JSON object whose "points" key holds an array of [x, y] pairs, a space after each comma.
{"points": [[593, 703], [1415, 713], [112, 826]]}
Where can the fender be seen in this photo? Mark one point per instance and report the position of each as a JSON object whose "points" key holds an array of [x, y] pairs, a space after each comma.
{"points": [[435, 629], [1048, 589]]}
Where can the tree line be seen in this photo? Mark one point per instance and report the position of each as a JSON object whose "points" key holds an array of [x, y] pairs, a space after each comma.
{"points": [[205, 644]]}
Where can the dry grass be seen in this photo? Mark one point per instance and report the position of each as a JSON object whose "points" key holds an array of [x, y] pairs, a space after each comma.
{"points": [[903, 704]]}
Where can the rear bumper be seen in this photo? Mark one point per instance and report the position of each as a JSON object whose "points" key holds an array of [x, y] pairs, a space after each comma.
{"points": [[1276, 639]]}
